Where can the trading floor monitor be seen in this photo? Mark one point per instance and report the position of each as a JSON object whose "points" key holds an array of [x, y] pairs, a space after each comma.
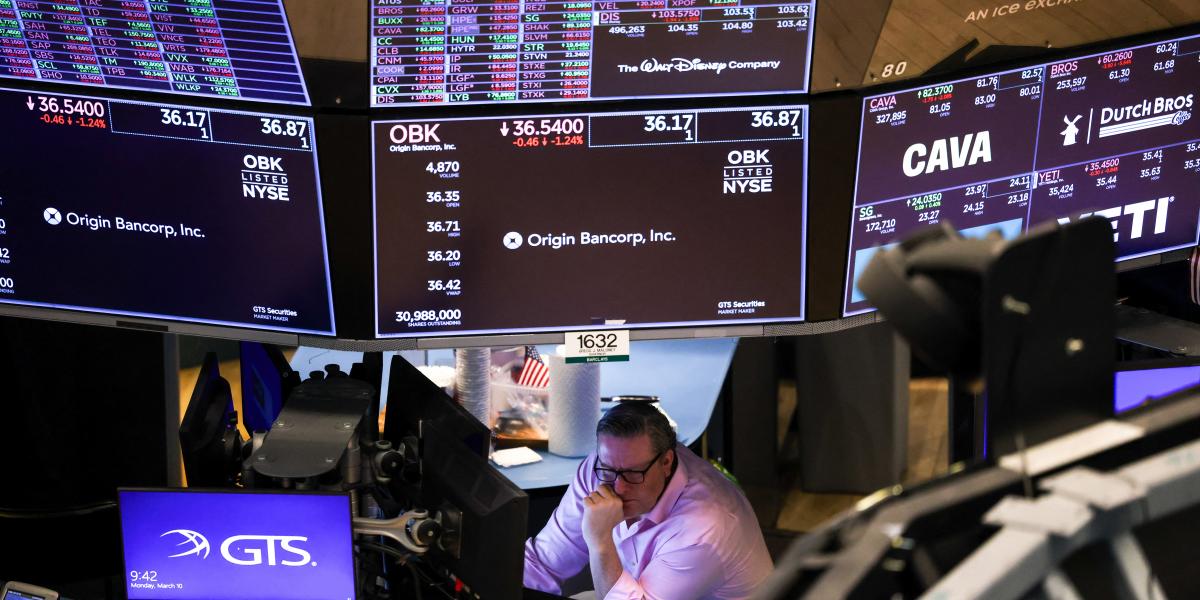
{"points": [[548, 223], [164, 212], [471, 53], [1110, 134], [413, 402], [486, 548], [208, 434], [192, 545]]}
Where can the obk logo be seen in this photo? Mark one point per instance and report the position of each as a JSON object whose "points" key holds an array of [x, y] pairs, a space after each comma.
{"points": [[264, 177], [748, 172], [247, 547]]}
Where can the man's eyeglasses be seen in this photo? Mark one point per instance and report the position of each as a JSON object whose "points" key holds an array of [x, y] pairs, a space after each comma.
{"points": [[629, 475]]}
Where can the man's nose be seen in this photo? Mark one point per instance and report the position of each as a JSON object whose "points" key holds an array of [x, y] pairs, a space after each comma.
{"points": [[620, 486]]}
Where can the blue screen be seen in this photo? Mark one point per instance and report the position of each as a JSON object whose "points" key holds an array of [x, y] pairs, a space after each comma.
{"points": [[15, 595], [192, 545], [1133, 388]]}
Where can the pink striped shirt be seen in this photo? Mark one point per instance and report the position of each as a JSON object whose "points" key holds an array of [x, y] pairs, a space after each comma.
{"points": [[701, 540]]}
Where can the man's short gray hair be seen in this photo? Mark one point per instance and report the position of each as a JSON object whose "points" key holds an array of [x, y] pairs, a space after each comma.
{"points": [[631, 419]]}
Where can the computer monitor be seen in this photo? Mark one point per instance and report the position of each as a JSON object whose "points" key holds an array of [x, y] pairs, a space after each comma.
{"points": [[208, 435], [413, 402], [198, 48], [161, 212], [1108, 134], [267, 379], [552, 223], [1140, 382], [485, 548], [182, 544], [553, 52]]}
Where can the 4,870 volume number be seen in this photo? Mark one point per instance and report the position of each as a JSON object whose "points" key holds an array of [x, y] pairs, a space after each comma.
{"points": [[421, 316]]}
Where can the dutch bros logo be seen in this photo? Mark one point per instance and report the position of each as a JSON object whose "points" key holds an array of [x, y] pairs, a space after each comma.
{"points": [[254, 554]]}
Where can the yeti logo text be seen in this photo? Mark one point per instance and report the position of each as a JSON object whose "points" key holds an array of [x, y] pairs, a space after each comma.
{"points": [[1138, 211], [255, 555], [199, 543], [415, 134], [944, 155]]}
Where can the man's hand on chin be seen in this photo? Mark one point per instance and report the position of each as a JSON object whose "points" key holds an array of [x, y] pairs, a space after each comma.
{"points": [[602, 510]]}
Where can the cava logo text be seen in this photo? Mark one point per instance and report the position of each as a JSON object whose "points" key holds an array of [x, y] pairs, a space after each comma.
{"points": [[883, 103], [264, 177], [249, 550], [748, 172], [946, 154], [1139, 211], [1146, 108], [684, 65]]}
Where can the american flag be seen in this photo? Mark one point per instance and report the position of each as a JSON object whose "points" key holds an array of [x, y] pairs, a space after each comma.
{"points": [[534, 372]]}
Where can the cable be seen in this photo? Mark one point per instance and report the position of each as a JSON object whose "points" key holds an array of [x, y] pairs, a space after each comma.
{"points": [[428, 579], [75, 511], [1010, 377], [401, 558]]}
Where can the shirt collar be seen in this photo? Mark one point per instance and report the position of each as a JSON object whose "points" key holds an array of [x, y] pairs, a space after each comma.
{"points": [[666, 502]]}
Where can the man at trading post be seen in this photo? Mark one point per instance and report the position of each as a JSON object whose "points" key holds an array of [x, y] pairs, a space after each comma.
{"points": [[650, 518]]}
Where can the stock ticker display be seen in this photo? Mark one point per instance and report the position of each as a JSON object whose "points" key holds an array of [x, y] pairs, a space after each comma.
{"points": [[1111, 134], [479, 51], [582, 221], [224, 48], [166, 211]]}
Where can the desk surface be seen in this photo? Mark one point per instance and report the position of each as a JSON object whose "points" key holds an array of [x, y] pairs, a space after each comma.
{"points": [[686, 375]]}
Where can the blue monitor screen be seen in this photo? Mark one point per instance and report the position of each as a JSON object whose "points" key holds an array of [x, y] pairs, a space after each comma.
{"points": [[236, 545], [1134, 388], [1111, 135], [15, 595], [220, 48]]}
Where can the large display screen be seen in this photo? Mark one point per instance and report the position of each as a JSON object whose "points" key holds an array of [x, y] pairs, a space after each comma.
{"points": [[165, 211], [1110, 134], [563, 222], [223, 48], [471, 51], [183, 545]]}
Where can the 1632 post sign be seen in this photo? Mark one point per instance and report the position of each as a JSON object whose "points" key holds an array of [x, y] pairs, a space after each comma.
{"points": [[597, 346]]}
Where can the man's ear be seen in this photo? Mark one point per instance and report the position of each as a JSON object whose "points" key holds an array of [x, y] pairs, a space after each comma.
{"points": [[670, 453]]}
